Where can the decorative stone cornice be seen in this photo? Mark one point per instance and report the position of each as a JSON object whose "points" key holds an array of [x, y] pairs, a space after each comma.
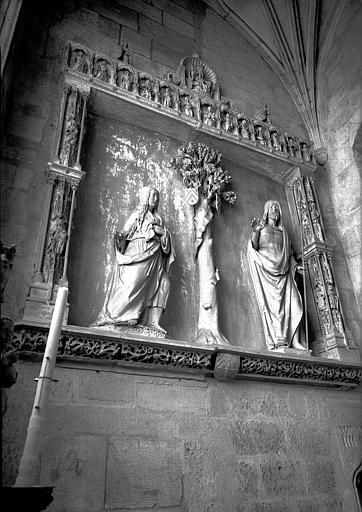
{"points": [[225, 364], [196, 102]]}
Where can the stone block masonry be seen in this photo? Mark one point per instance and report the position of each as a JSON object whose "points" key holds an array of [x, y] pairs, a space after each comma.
{"points": [[123, 439]]}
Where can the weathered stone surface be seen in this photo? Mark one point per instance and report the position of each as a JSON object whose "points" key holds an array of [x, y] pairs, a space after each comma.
{"points": [[142, 474], [282, 477], [77, 471]]}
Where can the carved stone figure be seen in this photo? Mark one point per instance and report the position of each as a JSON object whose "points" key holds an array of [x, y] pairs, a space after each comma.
{"points": [[273, 268], [228, 126], [125, 53], [188, 107], [259, 134], [209, 117], [70, 137], [167, 98], [244, 129], [146, 89], [139, 286], [124, 80], [102, 71], [78, 61], [274, 141]]}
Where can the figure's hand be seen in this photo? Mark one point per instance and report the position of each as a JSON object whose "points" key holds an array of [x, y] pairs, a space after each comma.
{"points": [[300, 269], [257, 224], [158, 230]]}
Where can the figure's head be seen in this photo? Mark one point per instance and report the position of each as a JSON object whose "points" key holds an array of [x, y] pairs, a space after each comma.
{"points": [[149, 196], [273, 211]]}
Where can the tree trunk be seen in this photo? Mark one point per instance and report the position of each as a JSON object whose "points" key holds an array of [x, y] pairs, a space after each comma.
{"points": [[208, 329]]}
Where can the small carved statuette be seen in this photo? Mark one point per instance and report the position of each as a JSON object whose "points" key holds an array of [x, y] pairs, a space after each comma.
{"points": [[140, 284], [102, 70], [209, 117], [187, 108], [146, 89], [274, 141], [228, 123], [244, 129], [273, 268], [167, 98], [259, 134], [78, 61], [124, 79], [70, 137], [125, 54]]}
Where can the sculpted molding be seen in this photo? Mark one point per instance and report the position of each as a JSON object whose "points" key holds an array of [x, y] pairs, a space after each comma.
{"points": [[224, 363]]}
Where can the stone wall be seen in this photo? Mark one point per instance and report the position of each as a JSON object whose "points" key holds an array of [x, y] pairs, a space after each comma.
{"points": [[126, 439], [341, 115], [159, 35]]}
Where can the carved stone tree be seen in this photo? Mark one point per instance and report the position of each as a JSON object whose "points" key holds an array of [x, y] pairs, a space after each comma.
{"points": [[207, 183]]}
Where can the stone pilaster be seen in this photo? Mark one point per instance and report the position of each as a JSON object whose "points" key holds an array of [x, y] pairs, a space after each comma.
{"points": [[65, 174], [333, 339]]}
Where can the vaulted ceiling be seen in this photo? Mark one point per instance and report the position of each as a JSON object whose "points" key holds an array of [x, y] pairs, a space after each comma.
{"points": [[294, 37]]}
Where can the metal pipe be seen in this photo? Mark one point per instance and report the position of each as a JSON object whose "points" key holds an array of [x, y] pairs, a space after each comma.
{"points": [[30, 460]]}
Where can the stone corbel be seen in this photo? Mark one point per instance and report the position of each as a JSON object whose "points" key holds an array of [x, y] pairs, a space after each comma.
{"points": [[65, 175], [333, 339]]}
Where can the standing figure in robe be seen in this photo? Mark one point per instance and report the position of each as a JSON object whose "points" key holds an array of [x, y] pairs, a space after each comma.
{"points": [[273, 268], [140, 284]]}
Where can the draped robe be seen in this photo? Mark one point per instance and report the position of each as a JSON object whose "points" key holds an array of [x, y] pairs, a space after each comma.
{"points": [[139, 279], [279, 301]]}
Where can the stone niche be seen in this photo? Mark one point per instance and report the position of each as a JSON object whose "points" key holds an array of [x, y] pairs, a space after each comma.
{"points": [[119, 130]]}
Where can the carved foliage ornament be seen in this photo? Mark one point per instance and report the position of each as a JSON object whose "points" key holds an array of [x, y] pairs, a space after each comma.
{"points": [[225, 365]]}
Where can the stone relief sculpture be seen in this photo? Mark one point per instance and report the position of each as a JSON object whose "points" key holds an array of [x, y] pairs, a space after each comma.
{"points": [[273, 268], [139, 286], [195, 78], [124, 79], [206, 185], [187, 107], [146, 89], [125, 53]]}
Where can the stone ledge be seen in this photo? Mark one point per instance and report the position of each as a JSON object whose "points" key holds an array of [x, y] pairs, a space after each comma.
{"points": [[225, 363]]}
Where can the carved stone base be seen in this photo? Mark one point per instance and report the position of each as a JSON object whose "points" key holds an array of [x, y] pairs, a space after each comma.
{"points": [[129, 329], [41, 311], [337, 347], [292, 351]]}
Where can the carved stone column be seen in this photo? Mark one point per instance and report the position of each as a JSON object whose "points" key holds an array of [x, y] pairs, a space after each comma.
{"points": [[65, 174], [333, 339]]}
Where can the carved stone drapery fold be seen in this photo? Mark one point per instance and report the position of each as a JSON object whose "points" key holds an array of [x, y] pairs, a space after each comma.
{"points": [[333, 340]]}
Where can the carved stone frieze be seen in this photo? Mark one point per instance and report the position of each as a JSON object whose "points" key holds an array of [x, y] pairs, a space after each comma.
{"points": [[300, 370], [193, 91], [235, 364]]}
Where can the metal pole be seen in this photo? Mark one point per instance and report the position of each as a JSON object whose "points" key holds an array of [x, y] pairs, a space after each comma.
{"points": [[29, 464]]}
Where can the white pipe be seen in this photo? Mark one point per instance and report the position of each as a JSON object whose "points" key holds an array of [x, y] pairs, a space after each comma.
{"points": [[29, 464]]}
